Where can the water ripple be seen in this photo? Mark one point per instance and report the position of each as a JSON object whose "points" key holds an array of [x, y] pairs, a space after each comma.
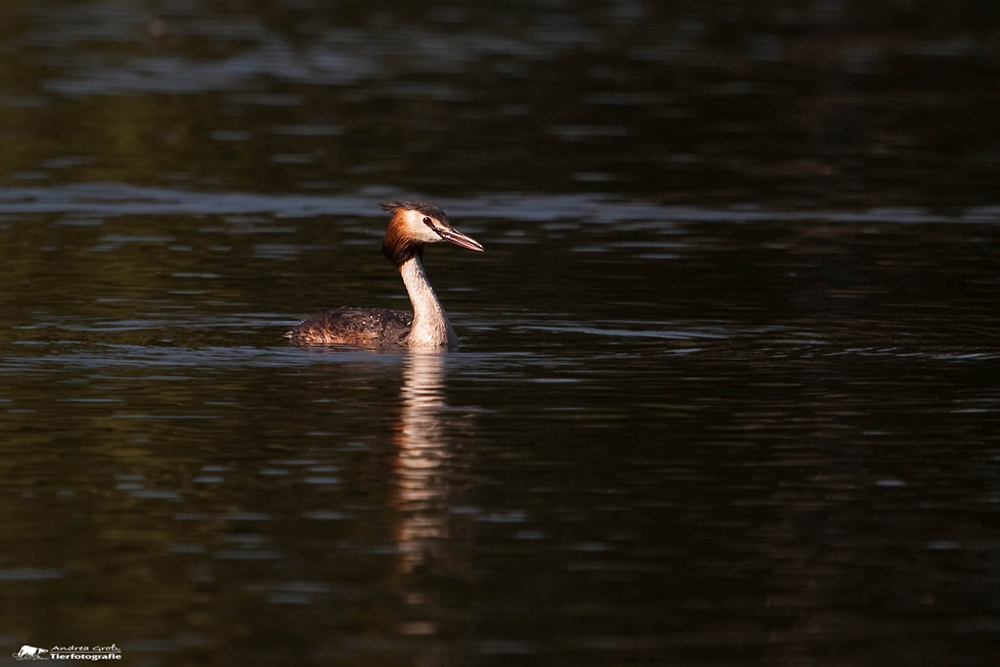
{"points": [[117, 199]]}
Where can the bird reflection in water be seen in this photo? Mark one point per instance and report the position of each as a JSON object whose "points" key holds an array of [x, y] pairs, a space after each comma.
{"points": [[421, 460]]}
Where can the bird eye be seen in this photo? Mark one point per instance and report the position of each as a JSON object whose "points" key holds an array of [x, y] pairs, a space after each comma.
{"points": [[428, 222]]}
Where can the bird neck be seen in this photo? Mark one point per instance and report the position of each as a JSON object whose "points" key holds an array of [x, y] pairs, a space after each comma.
{"points": [[430, 323]]}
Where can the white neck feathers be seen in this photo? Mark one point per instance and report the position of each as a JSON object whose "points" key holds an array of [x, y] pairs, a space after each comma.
{"points": [[430, 323]]}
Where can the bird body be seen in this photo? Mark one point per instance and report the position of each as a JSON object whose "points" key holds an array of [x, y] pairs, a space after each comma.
{"points": [[357, 327], [413, 224]]}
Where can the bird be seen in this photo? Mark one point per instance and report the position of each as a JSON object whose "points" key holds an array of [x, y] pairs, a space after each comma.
{"points": [[413, 224]]}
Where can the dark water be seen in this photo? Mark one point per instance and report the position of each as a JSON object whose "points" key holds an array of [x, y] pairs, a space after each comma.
{"points": [[728, 391]]}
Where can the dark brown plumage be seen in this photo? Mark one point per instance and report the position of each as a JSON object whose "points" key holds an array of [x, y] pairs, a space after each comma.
{"points": [[361, 327], [424, 207]]}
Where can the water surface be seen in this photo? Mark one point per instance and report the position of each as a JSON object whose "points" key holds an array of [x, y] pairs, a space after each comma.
{"points": [[727, 392]]}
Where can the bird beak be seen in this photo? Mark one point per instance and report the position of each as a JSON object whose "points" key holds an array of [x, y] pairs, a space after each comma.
{"points": [[452, 235]]}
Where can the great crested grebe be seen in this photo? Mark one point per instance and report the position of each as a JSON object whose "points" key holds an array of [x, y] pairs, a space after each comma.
{"points": [[413, 224]]}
